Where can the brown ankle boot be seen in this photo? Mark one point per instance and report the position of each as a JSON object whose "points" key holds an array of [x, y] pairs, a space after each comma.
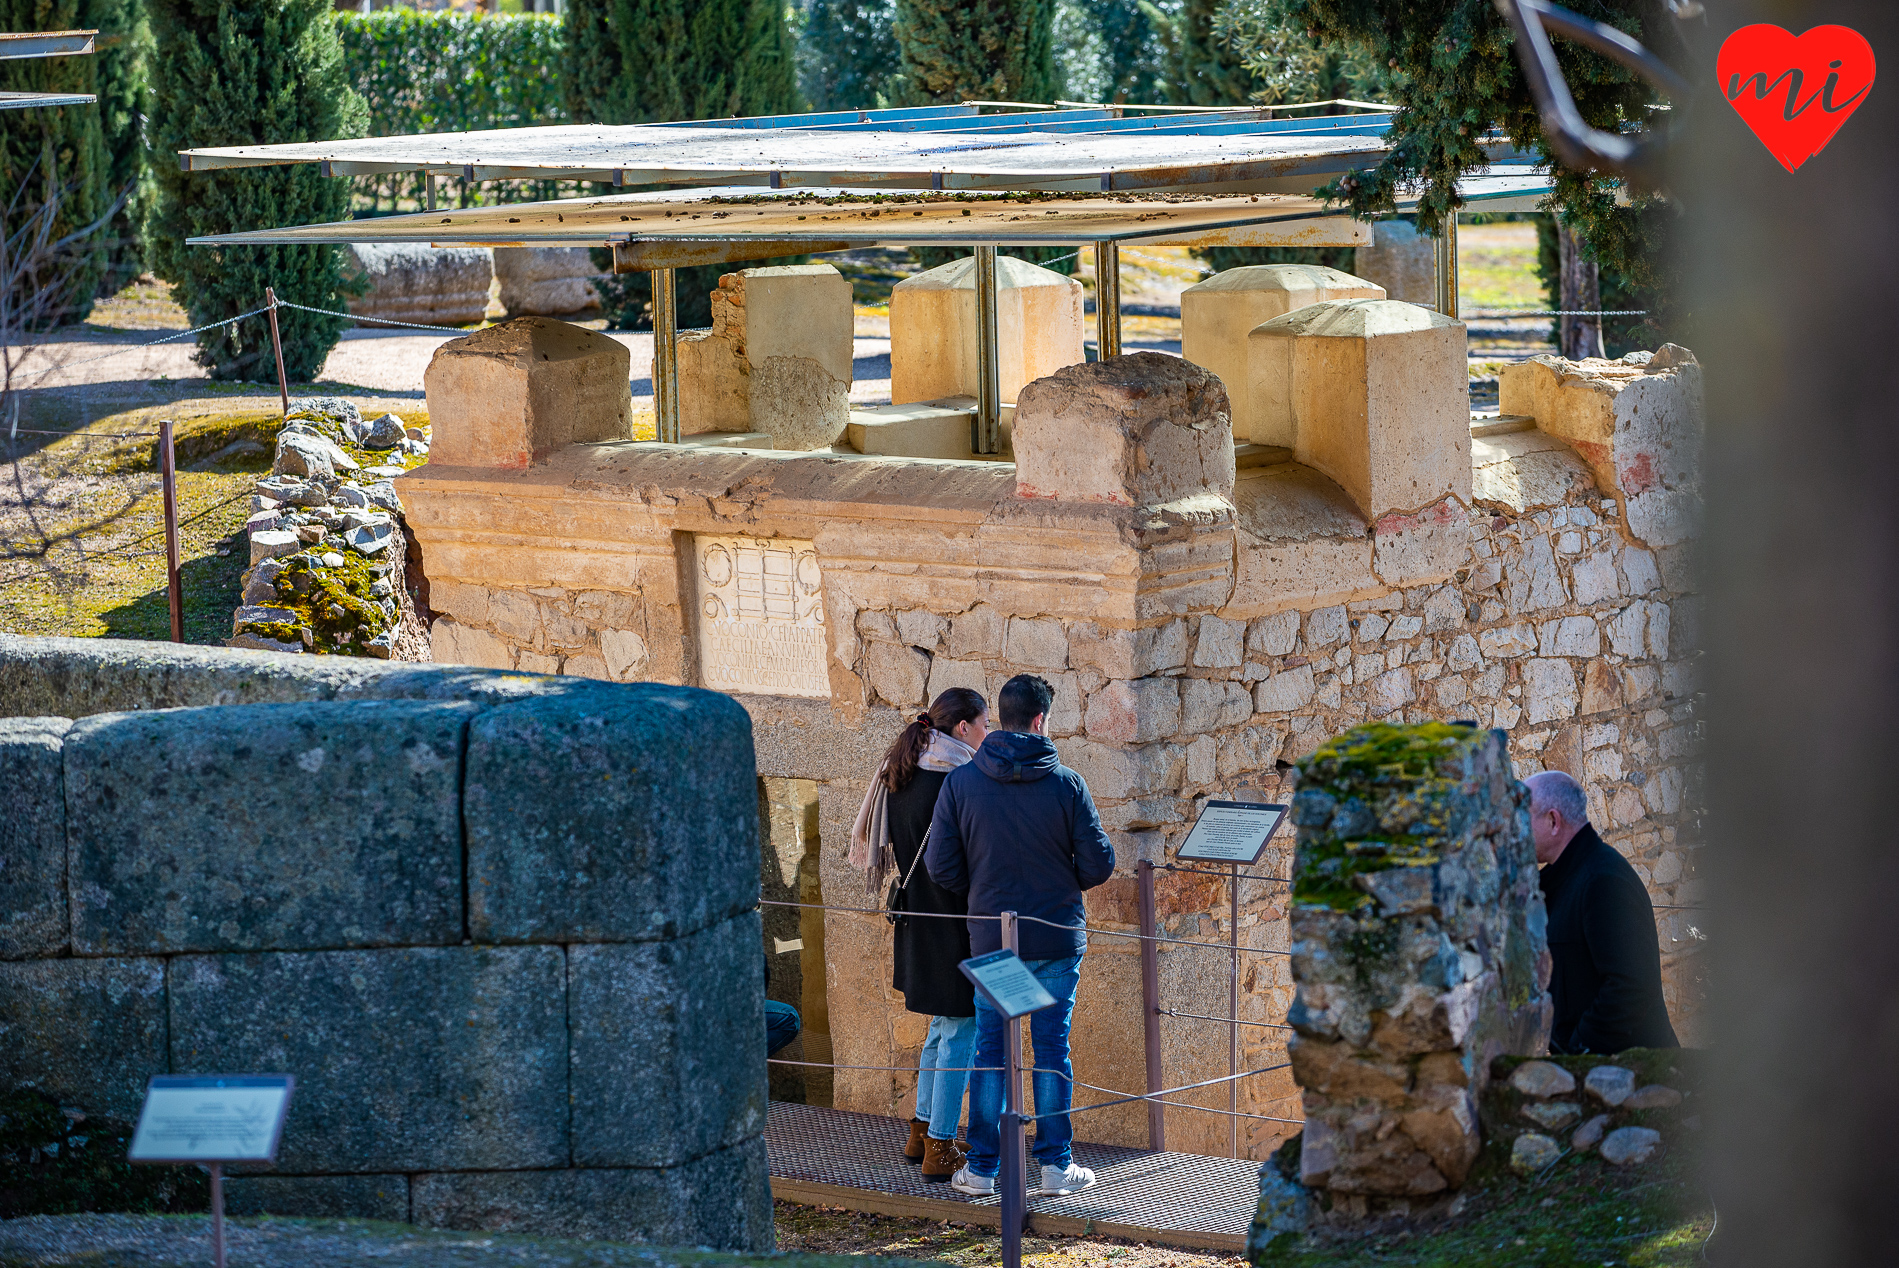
{"points": [[913, 1150], [941, 1159]]}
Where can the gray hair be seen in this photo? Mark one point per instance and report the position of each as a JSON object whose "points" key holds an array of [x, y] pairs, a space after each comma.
{"points": [[1556, 790]]}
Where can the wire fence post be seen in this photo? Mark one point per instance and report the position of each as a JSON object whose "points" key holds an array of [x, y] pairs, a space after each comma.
{"points": [[1150, 1006], [168, 477], [665, 358], [1012, 1178], [277, 350]]}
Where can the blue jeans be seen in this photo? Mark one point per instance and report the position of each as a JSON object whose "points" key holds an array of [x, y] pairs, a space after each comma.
{"points": [[1048, 1034], [781, 1025], [940, 1095]]}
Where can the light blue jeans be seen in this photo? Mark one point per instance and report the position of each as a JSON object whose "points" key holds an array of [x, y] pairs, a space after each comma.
{"points": [[943, 1073], [1054, 1090]]}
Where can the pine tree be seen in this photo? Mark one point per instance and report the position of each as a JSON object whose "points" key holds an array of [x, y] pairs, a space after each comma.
{"points": [[54, 170], [980, 50], [652, 61], [243, 73]]}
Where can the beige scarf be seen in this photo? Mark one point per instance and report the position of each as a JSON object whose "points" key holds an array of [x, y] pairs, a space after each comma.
{"points": [[870, 834]]}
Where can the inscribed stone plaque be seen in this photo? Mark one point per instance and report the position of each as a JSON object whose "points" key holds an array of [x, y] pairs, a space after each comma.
{"points": [[761, 616]]}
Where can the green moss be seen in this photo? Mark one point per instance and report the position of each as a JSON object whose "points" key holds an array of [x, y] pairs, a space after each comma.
{"points": [[55, 1164], [337, 604]]}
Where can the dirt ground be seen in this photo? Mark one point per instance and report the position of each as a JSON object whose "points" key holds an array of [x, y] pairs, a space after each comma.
{"points": [[834, 1230]]}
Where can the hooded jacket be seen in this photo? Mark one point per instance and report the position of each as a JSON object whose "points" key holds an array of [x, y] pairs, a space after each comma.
{"points": [[1015, 830]]}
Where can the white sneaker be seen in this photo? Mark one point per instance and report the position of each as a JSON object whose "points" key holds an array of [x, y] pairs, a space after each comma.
{"points": [[1069, 1179], [967, 1181]]}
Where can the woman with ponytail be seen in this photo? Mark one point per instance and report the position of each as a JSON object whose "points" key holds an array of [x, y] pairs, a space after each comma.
{"points": [[887, 842]]}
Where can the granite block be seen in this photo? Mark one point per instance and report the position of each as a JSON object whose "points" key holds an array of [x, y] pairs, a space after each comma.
{"points": [[90, 1032], [610, 817], [442, 1057], [667, 1057], [383, 1197], [278, 826], [32, 837], [722, 1201]]}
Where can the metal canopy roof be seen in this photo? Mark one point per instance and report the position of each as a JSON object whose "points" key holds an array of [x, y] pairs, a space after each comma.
{"points": [[665, 230], [931, 147], [24, 44]]}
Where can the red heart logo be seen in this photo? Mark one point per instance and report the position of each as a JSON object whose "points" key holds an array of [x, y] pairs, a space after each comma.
{"points": [[1795, 90]]}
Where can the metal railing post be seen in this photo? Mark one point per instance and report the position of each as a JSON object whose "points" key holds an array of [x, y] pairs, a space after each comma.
{"points": [[1150, 1006], [277, 348], [986, 428], [217, 1215], [665, 359], [1107, 300], [168, 477], [1012, 1177], [1447, 267]]}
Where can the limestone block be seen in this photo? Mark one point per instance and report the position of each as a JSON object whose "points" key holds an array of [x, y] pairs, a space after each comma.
{"points": [[898, 674], [452, 643], [546, 281], [1380, 400], [798, 404], [924, 429], [655, 832], [722, 1200], [32, 838], [666, 1063], [87, 1031], [1402, 261], [715, 384], [1416, 963], [1039, 329], [266, 826], [382, 1043], [1136, 430], [1637, 422], [1135, 712], [1217, 315], [383, 1197], [437, 286], [514, 394]]}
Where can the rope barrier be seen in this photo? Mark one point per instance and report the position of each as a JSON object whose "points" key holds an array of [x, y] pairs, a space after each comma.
{"points": [[375, 321], [84, 435], [152, 343], [1125, 1098], [1106, 933], [899, 1069], [1205, 871], [1225, 1021]]}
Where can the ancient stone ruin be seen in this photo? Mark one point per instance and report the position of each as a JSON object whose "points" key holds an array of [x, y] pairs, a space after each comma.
{"points": [[1418, 949]]}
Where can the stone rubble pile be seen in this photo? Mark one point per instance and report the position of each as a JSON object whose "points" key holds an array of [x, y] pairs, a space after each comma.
{"points": [[1546, 1108], [327, 548]]}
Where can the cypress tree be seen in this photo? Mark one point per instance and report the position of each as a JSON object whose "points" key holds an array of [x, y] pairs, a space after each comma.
{"points": [[123, 67], [982, 50], [54, 171], [255, 72], [848, 54], [1205, 69], [653, 61]]}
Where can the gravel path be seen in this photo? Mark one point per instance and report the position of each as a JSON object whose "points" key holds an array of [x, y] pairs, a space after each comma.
{"points": [[184, 1241]]}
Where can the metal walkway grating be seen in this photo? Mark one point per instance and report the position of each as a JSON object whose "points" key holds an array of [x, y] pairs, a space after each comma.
{"points": [[841, 1158]]}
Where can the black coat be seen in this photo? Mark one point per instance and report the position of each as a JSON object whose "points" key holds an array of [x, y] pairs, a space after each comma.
{"points": [[1606, 976], [928, 948]]}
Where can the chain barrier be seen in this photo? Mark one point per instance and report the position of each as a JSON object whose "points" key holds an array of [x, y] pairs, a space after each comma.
{"points": [[1106, 933]]}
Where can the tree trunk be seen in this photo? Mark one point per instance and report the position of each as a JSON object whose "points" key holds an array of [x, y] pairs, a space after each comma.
{"points": [[1578, 337]]}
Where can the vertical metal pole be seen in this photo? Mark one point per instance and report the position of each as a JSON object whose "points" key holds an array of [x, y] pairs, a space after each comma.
{"points": [[1150, 1006], [277, 349], [1447, 267], [1012, 1176], [217, 1214], [986, 436], [168, 477], [431, 191], [1233, 1026], [665, 359], [1107, 299]]}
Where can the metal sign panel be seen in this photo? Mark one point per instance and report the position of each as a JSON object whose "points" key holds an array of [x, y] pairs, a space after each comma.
{"points": [[1007, 984], [1231, 832], [207, 1118]]}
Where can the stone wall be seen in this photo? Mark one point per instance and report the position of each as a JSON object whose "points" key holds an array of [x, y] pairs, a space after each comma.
{"points": [[504, 1009], [1200, 647]]}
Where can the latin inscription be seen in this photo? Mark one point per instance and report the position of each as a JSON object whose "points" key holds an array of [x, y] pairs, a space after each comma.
{"points": [[761, 616]]}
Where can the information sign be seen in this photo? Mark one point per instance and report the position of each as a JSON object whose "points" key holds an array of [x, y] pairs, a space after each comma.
{"points": [[1231, 832], [1007, 984], [206, 1118]]}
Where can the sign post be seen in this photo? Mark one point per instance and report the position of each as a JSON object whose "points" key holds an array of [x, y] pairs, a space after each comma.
{"points": [[1234, 833], [211, 1120], [1014, 992]]}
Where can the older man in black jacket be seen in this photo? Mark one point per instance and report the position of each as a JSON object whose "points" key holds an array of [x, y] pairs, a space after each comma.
{"points": [[1607, 973]]}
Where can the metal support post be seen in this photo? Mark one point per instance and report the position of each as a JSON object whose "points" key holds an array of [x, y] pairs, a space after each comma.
{"points": [[665, 359], [986, 428], [431, 191], [277, 348], [1150, 1006], [168, 477], [1233, 1029], [1012, 1179], [1447, 267], [1107, 300], [217, 1215]]}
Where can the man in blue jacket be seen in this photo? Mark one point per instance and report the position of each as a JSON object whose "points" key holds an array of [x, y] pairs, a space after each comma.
{"points": [[1015, 830]]}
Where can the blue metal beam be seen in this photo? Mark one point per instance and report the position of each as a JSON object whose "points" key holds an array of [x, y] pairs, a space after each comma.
{"points": [[1027, 121], [868, 118]]}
